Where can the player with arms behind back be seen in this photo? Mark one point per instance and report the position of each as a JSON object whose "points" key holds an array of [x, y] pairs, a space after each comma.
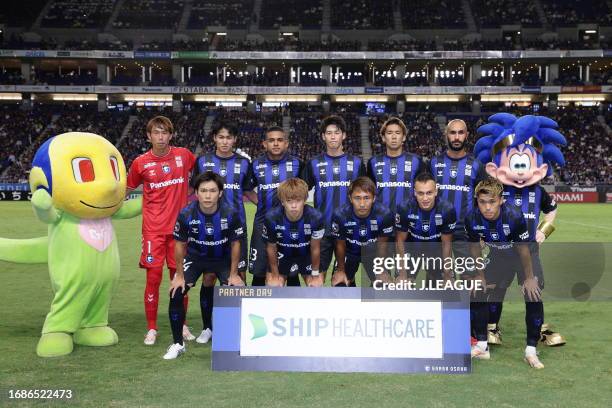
{"points": [[293, 233], [163, 172]]}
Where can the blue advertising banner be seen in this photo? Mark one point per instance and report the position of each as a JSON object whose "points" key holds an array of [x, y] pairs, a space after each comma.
{"points": [[341, 330]]}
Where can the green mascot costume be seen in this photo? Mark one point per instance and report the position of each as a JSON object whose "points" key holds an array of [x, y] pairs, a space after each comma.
{"points": [[78, 184]]}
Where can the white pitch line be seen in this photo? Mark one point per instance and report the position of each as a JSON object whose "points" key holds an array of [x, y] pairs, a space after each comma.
{"points": [[588, 225]]}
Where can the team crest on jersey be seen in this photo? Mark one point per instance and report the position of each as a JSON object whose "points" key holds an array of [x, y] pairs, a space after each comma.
{"points": [[398, 218], [294, 235], [453, 173], [335, 227], [393, 170], [179, 161], [518, 200], [532, 197], [166, 168], [373, 225], [150, 258], [222, 172], [349, 165], [438, 218], [363, 231], [209, 229], [275, 171], [425, 226], [495, 236], [294, 268], [336, 170], [506, 228]]}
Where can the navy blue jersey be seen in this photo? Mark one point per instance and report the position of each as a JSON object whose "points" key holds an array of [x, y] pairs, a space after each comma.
{"points": [[236, 173], [209, 236], [394, 177], [331, 177], [360, 232], [530, 201], [456, 181], [426, 226], [508, 228], [267, 175], [292, 238]]}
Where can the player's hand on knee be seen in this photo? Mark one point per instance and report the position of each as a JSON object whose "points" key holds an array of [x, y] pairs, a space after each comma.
{"points": [[339, 277], [540, 237], [178, 282], [315, 281], [235, 280], [531, 289]]}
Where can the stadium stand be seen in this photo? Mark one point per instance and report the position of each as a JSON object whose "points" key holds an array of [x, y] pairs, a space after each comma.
{"points": [[494, 13], [361, 15], [306, 14], [564, 13], [158, 14], [20, 14], [235, 14], [78, 14], [432, 14]]}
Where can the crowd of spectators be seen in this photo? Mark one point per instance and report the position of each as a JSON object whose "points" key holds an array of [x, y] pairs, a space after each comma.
{"points": [[234, 14], [494, 13], [306, 14], [362, 15], [20, 13], [78, 14], [155, 14], [405, 45], [432, 14], [564, 13]]}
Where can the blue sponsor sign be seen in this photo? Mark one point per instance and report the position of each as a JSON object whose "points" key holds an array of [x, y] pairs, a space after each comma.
{"points": [[14, 187], [152, 54], [341, 330], [531, 89], [374, 90]]}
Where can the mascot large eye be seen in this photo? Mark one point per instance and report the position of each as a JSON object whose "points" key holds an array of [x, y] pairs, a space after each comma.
{"points": [[83, 170], [115, 167], [520, 162]]}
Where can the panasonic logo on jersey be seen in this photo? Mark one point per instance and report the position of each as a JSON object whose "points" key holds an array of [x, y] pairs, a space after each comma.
{"points": [[167, 183], [454, 187], [385, 184], [268, 186], [324, 184]]}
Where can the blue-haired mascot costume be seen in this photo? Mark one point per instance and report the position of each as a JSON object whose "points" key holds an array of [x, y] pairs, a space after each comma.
{"points": [[78, 182], [520, 152]]}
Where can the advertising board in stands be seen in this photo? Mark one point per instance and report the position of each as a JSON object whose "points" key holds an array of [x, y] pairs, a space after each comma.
{"points": [[576, 197]]}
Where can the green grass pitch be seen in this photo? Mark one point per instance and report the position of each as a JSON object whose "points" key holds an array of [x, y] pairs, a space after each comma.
{"points": [[131, 374]]}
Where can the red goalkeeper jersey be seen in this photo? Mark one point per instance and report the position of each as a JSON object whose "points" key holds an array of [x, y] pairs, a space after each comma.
{"points": [[165, 183]]}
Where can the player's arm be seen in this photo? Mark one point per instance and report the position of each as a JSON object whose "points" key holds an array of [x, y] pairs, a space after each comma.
{"points": [[381, 252], [134, 178], [447, 254], [180, 250], [273, 277], [316, 279], [234, 278], [340, 252], [400, 239], [476, 252], [248, 184], [370, 171], [307, 175], [530, 287]]}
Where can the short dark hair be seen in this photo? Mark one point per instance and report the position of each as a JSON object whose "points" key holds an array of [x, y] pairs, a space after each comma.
{"points": [[424, 177], [273, 129], [230, 126], [394, 121], [206, 177], [364, 184], [333, 120]]}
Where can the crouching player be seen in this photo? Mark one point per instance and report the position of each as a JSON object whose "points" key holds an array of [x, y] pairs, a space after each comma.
{"points": [[360, 224], [503, 229], [207, 243], [293, 233]]}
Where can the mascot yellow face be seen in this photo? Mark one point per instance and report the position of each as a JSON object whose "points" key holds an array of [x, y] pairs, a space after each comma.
{"points": [[83, 172]]}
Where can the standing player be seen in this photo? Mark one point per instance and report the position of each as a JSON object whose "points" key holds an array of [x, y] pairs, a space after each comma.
{"points": [[330, 174], [164, 173], [358, 226], [293, 233], [269, 170], [502, 227], [235, 171], [428, 221], [394, 171], [208, 238]]}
